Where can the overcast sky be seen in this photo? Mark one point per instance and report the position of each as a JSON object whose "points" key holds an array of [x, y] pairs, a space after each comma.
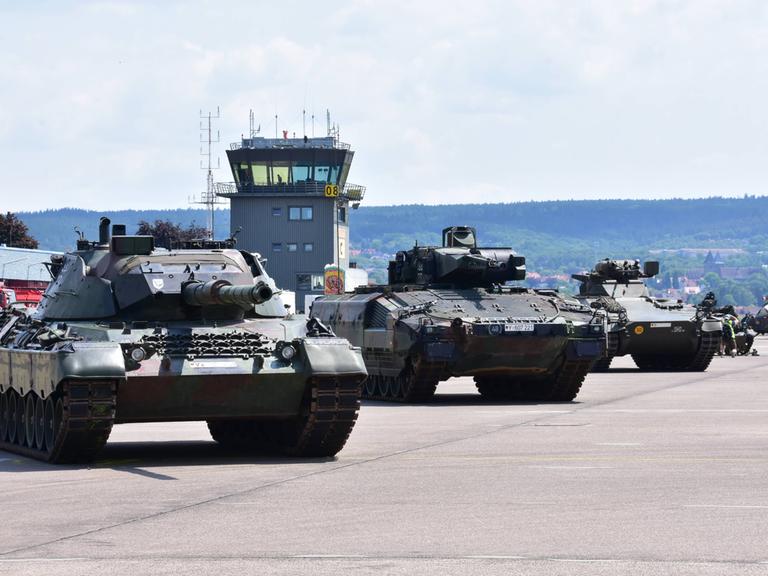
{"points": [[443, 102]]}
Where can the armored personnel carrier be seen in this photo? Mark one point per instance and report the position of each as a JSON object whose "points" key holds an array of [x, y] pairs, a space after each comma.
{"points": [[446, 312], [660, 334], [130, 333]]}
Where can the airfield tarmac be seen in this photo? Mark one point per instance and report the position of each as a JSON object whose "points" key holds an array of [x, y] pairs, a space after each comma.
{"points": [[643, 474]]}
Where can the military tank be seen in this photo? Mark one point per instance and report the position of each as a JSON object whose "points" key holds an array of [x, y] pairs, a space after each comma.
{"points": [[130, 333], [447, 312], [660, 334]]}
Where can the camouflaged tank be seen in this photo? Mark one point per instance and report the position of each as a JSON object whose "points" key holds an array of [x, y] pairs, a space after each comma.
{"points": [[130, 333], [660, 334], [446, 312]]}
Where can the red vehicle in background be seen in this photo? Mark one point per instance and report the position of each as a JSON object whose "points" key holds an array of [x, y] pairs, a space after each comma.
{"points": [[28, 296]]}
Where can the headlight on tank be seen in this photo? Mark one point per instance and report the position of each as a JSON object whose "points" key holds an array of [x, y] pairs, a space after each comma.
{"points": [[597, 328], [286, 351], [138, 354]]}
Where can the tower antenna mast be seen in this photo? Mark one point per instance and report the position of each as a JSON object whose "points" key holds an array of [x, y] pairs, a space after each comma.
{"points": [[207, 140]]}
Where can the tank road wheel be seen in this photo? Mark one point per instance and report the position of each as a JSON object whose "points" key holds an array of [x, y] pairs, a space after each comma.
{"points": [[29, 419], [496, 388], [418, 382], [371, 387], [40, 423], [5, 416], [21, 421], [385, 387], [13, 416], [395, 386], [69, 426], [50, 423], [328, 415]]}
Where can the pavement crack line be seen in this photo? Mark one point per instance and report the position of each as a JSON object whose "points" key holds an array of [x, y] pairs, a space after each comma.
{"points": [[378, 458], [483, 558]]}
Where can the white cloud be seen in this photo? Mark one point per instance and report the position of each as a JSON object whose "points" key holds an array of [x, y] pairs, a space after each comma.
{"points": [[442, 101]]}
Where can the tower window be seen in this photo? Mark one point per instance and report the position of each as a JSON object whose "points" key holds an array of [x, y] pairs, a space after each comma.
{"points": [[292, 247], [342, 214], [277, 247], [277, 211], [309, 246], [300, 213]]}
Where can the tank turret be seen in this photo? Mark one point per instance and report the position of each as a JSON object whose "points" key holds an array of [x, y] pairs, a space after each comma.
{"points": [[459, 262], [619, 270], [125, 277]]}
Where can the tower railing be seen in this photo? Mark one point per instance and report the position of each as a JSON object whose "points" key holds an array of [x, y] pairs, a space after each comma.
{"points": [[282, 143], [350, 192]]}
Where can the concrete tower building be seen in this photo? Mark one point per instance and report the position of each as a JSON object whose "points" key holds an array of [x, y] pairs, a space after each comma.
{"points": [[291, 200]]}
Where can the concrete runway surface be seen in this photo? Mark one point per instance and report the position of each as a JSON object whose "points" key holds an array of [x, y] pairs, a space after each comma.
{"points": [[643, 474]]}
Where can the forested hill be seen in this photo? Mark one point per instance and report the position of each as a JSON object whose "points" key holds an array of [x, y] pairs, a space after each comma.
{"points": [[630, 222], [596, 223]]}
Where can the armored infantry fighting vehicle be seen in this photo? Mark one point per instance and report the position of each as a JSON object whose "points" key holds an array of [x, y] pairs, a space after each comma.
{"points": [[446, 312], [130, 333], [659, 334], [759, 323]]}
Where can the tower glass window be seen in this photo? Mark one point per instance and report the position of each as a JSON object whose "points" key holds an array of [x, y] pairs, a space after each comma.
{"points": [[277, 211], [259, 172], [280, 172], [309, 246], [241, 173], [292, 247], [300, 172], [321, 173], [300, 213], [277, 247]]}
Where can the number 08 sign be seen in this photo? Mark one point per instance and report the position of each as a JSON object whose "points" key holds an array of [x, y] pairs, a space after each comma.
{"points": [[331, 190]]}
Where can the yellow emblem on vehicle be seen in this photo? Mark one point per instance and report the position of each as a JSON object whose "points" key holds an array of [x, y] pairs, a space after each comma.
{"points": [[639, 330]]}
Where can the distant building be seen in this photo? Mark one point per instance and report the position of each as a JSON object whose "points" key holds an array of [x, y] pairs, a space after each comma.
{"points": [[24, 267], [22, 271], [291, 200]]}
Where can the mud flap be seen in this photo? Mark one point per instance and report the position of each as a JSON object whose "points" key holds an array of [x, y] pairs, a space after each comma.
{"points": [[333, 356], [585, 349]]}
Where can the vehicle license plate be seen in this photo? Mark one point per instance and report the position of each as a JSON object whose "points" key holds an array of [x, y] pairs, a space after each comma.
{"points": [[661, 324], [518, 327], [212, 364]]}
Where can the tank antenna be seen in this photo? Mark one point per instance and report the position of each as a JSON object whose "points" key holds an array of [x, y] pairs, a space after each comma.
{"points": [[208, 198]]}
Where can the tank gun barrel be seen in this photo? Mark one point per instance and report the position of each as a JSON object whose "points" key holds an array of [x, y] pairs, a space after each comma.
{"points": [[218, 292]]}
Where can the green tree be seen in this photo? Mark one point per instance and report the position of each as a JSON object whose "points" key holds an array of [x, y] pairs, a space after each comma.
{"points": [[166, 232], [14, 233]]}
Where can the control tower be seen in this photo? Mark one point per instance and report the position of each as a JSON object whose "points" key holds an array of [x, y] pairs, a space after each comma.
{"points": [[292, 200]]}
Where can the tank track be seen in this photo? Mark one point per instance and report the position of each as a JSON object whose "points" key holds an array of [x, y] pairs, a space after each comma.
{"points": [[330, 409], [416, 383], [561, 387], [611, 348], [70, 426], [709, 343]]}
